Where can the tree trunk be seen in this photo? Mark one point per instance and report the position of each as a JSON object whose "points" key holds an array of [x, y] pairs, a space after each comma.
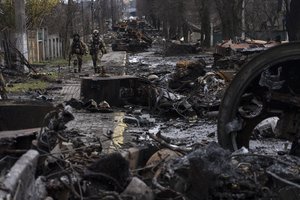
{"points": [[112, 7], [185, 32], [229, 12], [205, 24], [293, 25], [165, 29], [20, 18], [69, 28], [92, 15]]}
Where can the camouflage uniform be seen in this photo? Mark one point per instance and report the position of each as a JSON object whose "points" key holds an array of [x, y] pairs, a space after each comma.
{"points": [[3, 92], [97, 49], [78, 48]]}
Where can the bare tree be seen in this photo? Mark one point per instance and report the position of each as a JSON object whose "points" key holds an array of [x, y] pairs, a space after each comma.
{"points": [[20, 28], [204, 11], [229, 13], [169, 13], [293, 16]]}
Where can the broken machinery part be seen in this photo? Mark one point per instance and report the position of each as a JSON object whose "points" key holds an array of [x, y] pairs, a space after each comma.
{"points": [[265, 87]]}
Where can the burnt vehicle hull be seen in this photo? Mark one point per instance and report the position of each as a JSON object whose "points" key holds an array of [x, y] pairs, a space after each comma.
{"points": [[135, 46], [267, 86], [17, 115]]}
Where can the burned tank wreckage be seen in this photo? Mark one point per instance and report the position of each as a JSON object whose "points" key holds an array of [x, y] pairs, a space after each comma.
{"points": [[265, 87]]}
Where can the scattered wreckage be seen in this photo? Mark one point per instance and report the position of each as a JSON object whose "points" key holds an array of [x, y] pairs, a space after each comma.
{"points": [[69, 164], [266, 87], [174, 47], [131, 36], [232, 55]]}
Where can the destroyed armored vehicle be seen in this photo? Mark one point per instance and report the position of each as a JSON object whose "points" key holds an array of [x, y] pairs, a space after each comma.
{"points": [[130, 45], [264, 88]]}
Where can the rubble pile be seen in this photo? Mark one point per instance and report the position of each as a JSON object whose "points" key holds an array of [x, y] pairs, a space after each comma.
{"points": [[232, 55], [199, 88], [91, 105], [152, 136], [186, 73], [174, 47], [72, 165], [238, 175], [109, 37], [180, 84], [132, 36]]}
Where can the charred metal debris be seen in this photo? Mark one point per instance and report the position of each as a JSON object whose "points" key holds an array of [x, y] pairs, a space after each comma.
{"points": [[132, 36], [71, 165], [255, 101]]}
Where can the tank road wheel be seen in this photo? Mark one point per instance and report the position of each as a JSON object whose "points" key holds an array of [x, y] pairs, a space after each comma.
{"points": [[267, 86]]}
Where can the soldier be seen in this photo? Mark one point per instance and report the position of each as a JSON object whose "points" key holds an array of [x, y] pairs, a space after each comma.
{"points": [[97, 49], [3, 92], [78, 48]]}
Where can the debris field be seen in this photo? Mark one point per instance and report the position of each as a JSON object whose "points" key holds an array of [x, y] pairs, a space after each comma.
{"points": [[167, 120]]}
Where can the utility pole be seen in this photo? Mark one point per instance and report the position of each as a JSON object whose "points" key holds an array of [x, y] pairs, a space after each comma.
{"points": [[243, 37], [122, 9], [20, 34], [92, 10], [100, 16], [82, 18], [112, 12], [211, 34]]}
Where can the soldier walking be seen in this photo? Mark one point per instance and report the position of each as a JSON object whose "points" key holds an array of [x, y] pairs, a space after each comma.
{"points": [[78, 49], [3, 92], [97, 49]]}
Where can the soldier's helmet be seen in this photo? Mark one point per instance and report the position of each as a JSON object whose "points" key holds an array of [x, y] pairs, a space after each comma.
{"points": [[76, 36], [95, 32]]}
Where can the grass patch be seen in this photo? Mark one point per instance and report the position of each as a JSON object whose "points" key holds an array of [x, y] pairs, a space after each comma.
{"points": [[55, 62], [30, 85], [45, 76], [53, 76], [62, 61], [59, 61], [87, 58]]}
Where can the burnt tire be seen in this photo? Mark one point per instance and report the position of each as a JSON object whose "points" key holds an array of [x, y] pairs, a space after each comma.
{"points": [[230, 102]]}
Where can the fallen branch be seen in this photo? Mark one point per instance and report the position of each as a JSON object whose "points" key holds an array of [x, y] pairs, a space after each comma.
{"points": [[155, 182], [262, 156], [166, 139], [169, 146], [283, 180], [105, 195], [23, 59]]}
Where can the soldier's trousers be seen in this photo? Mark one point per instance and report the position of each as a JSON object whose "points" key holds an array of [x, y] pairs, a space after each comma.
{"points": [[77, 62], [96, 57]]}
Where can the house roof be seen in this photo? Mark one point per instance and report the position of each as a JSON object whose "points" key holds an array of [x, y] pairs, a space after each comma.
{"points": [[193, 27]]}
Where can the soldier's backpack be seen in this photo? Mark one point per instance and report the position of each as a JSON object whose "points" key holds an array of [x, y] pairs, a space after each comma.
{"points": [[78, 48]]}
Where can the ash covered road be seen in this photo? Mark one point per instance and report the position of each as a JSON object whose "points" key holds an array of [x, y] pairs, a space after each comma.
{"points": [[166, 133]]}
